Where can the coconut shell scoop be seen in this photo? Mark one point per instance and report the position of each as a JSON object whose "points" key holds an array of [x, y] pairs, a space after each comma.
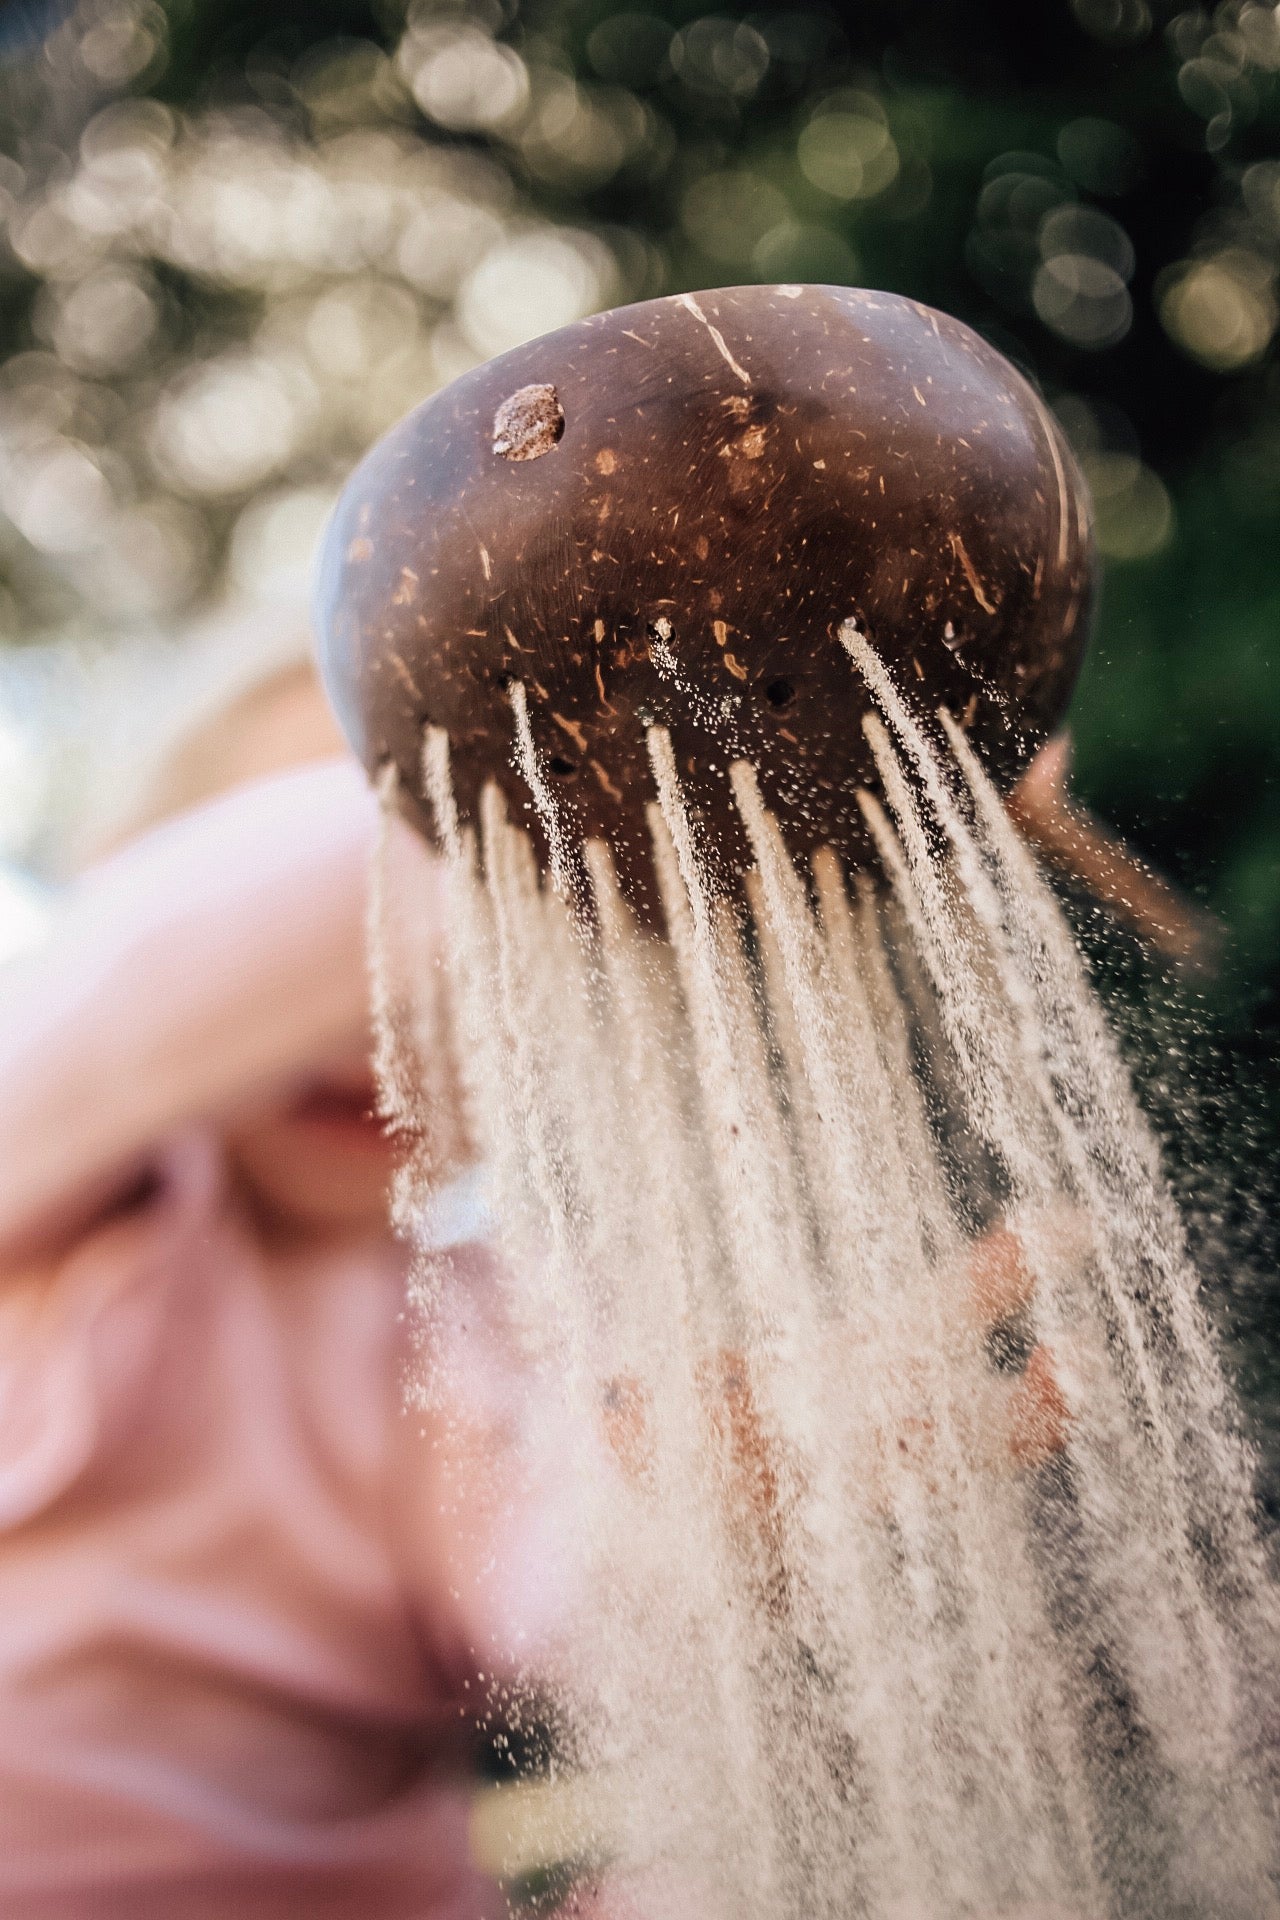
{"points": [[664, 514]]}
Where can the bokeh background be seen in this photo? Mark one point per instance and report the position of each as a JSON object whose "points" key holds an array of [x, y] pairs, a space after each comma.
{"points": [[238, 238]]}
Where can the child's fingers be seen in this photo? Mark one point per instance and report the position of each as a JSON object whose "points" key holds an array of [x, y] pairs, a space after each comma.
{"points": [[738, 1432], [1039, 1419], [1031, 1424], [735, 1419], [1001, 1268], [1000, 1280], [626, 1407]]}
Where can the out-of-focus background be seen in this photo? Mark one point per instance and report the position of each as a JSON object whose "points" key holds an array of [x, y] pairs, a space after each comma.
{"points": [[238, 239]]}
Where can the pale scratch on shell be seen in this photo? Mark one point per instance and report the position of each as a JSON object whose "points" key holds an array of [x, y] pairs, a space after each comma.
{"points": [[614, 792], [961, 554], [403, 675], [687, 301], [573, 729]]}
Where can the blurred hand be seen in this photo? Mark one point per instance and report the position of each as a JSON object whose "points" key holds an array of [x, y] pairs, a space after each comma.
{"points": [[1014, 1425], [1071, 839]]}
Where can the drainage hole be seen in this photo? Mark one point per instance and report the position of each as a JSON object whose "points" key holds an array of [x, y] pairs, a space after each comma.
{"points": [[779, 693], [557, 764]]}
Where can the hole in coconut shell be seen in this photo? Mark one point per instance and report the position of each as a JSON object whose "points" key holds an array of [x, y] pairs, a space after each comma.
{"points": [[528, 423], [779, 693], [561, 767], [503, 681]]}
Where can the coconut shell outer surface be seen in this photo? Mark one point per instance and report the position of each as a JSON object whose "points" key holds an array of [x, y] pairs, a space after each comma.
{"points": [[664, 514]]}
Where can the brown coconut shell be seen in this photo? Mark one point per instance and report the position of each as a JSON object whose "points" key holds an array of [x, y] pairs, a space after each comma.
{"points": [[664, 514]]}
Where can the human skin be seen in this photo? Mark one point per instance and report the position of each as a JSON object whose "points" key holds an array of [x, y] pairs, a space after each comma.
{"points": [[212, 970], [1027, 1421]]}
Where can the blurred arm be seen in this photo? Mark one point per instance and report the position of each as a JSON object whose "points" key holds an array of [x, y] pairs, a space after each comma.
{"points": [[1071, 839], [213, 959]]}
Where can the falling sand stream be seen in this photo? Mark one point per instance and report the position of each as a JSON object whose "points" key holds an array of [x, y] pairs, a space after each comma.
{"points": [[918, 1569], [899, 1517]]}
